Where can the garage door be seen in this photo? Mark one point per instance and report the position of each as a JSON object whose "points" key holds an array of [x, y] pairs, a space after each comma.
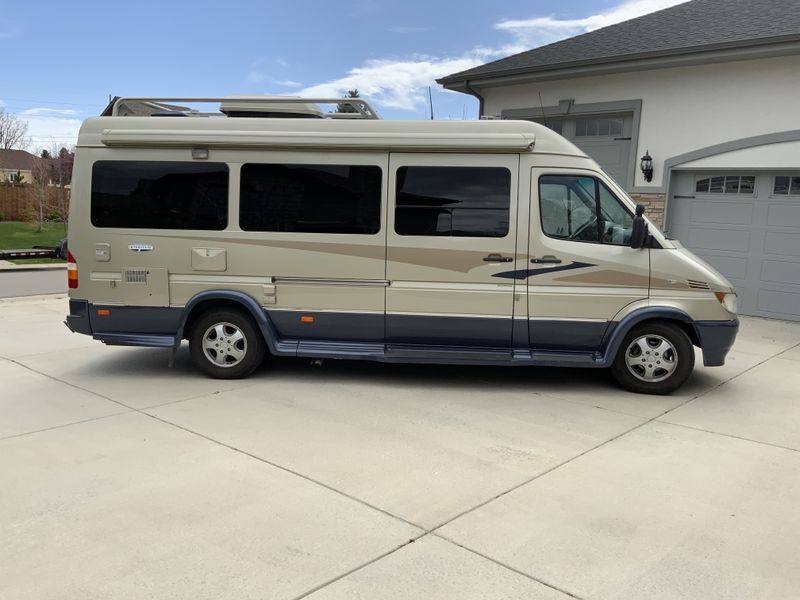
{"points": [[747, 225]]}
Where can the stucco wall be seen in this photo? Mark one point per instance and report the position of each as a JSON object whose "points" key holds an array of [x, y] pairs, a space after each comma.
{"points": [[683, 109]]}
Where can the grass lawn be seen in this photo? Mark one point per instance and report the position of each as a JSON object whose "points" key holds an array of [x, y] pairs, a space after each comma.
{"points": [[16, 236]]}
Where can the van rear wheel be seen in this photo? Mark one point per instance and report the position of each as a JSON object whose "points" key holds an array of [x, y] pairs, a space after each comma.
{"points": [[226, 344], [654, 358]]}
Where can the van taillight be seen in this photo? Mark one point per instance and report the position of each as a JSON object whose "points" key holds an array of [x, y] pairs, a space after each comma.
{"points": [[72, 272]]}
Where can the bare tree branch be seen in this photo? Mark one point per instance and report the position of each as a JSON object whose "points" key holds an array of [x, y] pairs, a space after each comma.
{"points": [[13, 131]]}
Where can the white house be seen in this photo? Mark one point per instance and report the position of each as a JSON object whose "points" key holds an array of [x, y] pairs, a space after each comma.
{"points": [[711, 90]]}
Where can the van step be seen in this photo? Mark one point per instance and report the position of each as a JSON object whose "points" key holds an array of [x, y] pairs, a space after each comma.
{"points": [[449, 353]]}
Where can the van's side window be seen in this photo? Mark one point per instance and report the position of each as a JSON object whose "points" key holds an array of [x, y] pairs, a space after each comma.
{"points": [[582, 208], [159, 195], [453, 201], [310, 198]]}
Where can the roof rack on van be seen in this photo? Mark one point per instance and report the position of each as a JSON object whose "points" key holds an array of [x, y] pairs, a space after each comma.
{"points": [[244, 106]]}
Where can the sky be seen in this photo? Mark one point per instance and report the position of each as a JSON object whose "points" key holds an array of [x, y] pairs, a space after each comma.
{"points": [[63, 59]]}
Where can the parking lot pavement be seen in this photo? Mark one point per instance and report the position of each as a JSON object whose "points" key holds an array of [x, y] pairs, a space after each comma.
{"points": [[124, 478]]}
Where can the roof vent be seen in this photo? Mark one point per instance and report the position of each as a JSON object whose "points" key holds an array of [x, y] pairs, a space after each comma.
{"points": [[260, 106]]}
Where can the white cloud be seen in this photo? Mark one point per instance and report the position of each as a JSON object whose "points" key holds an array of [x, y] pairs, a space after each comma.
{"points": [[402, 83], [282, 62], [47, 131], [49, 112], [399, 83], [541, 30], [287, 83]]}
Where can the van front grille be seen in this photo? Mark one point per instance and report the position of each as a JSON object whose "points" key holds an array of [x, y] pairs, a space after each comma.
{"points": [[135, 276]]}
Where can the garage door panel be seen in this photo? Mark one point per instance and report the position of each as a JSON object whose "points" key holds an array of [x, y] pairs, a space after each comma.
{"points": [[734, 267], [779, 271], [775, 301], [783, 215], [719, 238], [754, 240], [729, 213], [776, 242]]}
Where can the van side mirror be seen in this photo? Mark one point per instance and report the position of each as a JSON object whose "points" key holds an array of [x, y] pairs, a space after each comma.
{"points": [[638, 229]]}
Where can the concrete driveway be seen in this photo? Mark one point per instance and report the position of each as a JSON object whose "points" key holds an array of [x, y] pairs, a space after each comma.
{"points": [[122, 478]]}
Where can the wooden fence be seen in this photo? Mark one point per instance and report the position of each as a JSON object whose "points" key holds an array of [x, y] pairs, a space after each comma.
{"points": [[20, 202]]}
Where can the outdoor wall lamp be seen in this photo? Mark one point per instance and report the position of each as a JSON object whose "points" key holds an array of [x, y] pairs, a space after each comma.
{"points": [[647, 166]]}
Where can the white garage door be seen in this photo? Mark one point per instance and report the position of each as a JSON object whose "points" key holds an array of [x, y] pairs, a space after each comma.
{"points": [[747, 225]]}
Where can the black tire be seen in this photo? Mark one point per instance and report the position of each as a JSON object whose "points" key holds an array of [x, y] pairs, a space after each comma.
{"points": [[647, 366], [226, 355]]}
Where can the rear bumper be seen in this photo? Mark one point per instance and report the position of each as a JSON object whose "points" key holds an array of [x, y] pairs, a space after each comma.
{"points": [[78, 317], [716, 339]]}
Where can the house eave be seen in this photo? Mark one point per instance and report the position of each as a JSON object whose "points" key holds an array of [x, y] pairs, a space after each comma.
{"points": [[628, 63]]}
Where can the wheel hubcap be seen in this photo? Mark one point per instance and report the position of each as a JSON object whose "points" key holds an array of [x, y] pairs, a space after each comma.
{"points": [[224, 345], [651, 358]]}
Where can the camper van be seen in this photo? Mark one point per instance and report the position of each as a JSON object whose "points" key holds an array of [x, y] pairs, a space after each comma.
{"points": [[270, 227]]}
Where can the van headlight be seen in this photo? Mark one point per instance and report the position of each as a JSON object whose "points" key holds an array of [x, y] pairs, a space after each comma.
{"points": [[728, 301]]}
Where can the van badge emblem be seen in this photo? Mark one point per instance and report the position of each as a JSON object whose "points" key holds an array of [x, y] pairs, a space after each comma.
{"points": [[140, 247]]}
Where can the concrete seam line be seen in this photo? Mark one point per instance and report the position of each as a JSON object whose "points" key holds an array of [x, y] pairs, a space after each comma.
{"points": [[285, 469], [23, 434], [224, 445], [506, 566], [592, 449], [359, 567], [732, 436]]}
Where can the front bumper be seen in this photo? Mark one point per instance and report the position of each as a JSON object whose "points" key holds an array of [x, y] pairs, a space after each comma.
{"points": [[716, 339], [78, 317]]}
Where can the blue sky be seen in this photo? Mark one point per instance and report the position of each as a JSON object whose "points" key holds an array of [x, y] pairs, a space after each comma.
{"points": [[63, 59]]}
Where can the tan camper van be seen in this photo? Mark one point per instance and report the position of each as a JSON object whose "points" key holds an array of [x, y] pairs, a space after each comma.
{"points": [[270, 227]]}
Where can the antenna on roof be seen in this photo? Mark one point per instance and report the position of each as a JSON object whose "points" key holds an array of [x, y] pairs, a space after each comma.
{"points": [[430, 100]]}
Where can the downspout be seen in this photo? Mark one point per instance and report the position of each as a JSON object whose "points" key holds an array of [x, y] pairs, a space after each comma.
{"points": [[471, 90]]}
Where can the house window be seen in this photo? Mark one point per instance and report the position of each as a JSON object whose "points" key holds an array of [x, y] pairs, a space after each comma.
{"points": [[784, 185], [726, 184], [598, 127]]}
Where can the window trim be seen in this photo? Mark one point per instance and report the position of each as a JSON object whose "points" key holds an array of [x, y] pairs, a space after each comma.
{"points": [[728, 195], [788, 195], [229, 199], [508, 209], [381, 196], [597, 182]]}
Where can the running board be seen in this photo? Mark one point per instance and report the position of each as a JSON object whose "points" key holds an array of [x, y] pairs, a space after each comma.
{"points": [[136, 339], [447, 354]]}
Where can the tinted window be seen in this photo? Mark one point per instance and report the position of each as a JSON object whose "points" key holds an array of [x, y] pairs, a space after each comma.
{"points": [[160, 195], [569, 206], [453, 201], [310, 198]]}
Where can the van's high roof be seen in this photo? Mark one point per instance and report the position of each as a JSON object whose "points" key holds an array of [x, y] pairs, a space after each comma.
{"points": [[193, 130]]}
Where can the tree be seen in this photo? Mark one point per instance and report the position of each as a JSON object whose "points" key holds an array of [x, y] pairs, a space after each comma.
{"points": [[13, 131], [347, 108]]}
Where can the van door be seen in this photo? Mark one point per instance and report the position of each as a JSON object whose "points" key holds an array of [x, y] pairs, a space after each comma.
{"points": [[312, 222], [452, 231], [581, 269]]}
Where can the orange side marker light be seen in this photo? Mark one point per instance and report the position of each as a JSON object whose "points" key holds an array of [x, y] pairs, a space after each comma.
{"points": [[306, 319]]}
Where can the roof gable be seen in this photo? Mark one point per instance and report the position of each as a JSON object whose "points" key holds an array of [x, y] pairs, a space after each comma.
{"points": [[695, 26], [17, 159]]}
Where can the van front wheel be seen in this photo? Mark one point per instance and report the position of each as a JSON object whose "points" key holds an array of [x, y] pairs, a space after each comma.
{"points": [[226, 344], [654, 358]]}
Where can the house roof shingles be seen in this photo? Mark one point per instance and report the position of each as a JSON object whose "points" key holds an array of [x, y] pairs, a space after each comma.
{"points": [[690, 27], [16, 160]]}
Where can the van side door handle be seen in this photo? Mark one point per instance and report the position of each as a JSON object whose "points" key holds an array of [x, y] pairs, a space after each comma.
{"points": [[547, 259], [497, 258]]}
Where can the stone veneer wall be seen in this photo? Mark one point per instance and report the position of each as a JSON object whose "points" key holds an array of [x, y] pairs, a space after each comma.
{"points": [[653, 205]]}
